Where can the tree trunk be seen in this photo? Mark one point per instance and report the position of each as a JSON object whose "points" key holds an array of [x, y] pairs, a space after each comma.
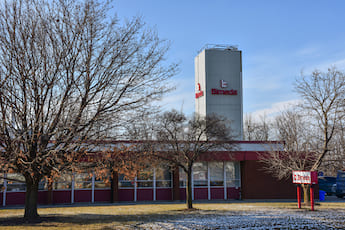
{"points": [[189, 188], [31, 196], [306, 194], [114, 186]]}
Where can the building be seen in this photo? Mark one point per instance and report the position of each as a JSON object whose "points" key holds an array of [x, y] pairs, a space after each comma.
{"points": [[218, 175], [218, 81], [223, 175]]}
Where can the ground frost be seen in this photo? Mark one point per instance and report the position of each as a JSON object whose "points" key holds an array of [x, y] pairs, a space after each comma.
{"points": [[263, 218]]}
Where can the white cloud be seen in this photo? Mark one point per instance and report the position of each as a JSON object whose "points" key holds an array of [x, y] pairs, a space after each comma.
{"points": [[311, 50], [339, 64], [274, 110]]}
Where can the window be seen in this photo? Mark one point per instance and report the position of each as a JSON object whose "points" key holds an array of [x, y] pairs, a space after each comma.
{"points": [[145, 179], [14, 183], [43, 185], [200, 174], [216, 173], [163, 177], [232, 170], [125, 182], [63, 182], [102, 183], [83, 181]]}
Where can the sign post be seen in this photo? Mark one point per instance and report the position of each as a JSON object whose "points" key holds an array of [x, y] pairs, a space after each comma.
{"points": [[299, 196], [305, 177], [312, 197]]}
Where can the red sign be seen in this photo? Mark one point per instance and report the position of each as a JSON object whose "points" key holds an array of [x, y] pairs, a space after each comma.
{"points": [[200, 93], [304, 177], [224, 92]]}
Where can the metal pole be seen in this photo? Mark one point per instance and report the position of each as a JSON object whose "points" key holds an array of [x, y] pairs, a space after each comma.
{"points": [[208, 182], [4, 192], [93, 188], [299, 196], [135, 189], [72, 189], [312, 197], [154, 184], [224, 181]]}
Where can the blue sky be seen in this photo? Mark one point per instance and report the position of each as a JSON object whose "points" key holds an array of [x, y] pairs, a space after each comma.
{"points": [[278, 39]]}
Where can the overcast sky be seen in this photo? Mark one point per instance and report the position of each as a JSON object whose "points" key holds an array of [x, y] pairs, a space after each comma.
{"points": [[278, 39]]}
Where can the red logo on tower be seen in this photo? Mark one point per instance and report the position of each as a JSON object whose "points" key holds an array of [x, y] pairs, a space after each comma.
{"points": [[224, 84], [199, 92]]}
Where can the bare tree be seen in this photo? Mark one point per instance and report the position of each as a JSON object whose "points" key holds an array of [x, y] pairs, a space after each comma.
{"points": [[69, 73], [182, 140], [294, 129], [335, 160], [324, 99], [257, 130]]}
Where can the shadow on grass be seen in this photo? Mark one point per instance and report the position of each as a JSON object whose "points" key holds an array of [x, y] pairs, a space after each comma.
{"points": [[51, 220]]}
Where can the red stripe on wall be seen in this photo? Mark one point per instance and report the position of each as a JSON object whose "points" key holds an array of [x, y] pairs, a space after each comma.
{"points": [[200, 194], [144, 194], [233, 193], [163, 194], [61, 197], [15, 198], [82, 195], [217, 193], [126, 194], [102, 195]]}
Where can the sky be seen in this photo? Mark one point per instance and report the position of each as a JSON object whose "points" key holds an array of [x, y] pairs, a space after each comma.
{"points": [[279, 41]]}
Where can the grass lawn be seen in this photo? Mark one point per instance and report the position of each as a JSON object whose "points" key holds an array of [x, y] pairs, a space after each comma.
{"points": [[128, 216]]}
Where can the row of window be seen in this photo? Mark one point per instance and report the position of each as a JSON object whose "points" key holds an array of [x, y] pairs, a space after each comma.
{"points": [[204, 174], [216, 173]]}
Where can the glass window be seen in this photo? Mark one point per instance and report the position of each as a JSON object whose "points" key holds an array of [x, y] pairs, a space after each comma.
{"points": [[146, 174], [232, 174], [102, 183], [145, 179], [200, 174], [83, 181], [43, 184], [163, 177], [125, 182], [14, 183], [63, 182], [216, 173]]}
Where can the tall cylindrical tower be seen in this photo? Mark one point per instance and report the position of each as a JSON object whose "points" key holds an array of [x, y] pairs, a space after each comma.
{"points": [[218, 80]]}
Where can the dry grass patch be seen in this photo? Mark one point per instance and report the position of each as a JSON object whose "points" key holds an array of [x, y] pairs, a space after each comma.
{"points": [[128, 216]]}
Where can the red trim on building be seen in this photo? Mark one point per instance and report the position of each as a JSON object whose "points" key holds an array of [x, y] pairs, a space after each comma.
{"points": [[126, 194], [164, 194], [102, 195], [217, 193], [15, 198], [82, 195], [62, 197], [233, 193], [43, 197], [144, 194], [200, 193]]}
